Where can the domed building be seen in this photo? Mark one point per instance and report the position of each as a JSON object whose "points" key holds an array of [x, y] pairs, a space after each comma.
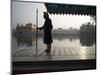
{"points": [[29, 27]]}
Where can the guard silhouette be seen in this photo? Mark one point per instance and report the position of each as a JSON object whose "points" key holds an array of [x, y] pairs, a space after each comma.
{"points": [[47, 27]]}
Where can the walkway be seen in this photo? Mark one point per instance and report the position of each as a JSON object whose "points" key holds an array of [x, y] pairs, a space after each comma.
{"points": [[64, 53]]}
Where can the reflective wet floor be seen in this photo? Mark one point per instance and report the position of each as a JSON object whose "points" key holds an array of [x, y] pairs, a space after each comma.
{"points": [[68, 53], [63, 48]]}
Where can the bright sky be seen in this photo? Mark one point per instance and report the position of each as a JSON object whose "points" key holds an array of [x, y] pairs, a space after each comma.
{"points": [[24, 12]]}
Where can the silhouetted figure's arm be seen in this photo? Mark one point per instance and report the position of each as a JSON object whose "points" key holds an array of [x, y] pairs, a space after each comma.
{"points": [[40, 28]]}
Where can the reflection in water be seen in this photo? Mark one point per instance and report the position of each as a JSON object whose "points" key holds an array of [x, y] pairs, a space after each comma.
{"points": [[87, 41], [67, 40], [25, 40], [63, 37]]}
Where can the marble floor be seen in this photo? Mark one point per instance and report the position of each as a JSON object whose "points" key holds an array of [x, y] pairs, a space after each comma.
{"points": [[57, 53]]}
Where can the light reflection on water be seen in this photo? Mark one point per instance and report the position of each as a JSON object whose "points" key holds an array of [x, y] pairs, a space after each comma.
{"points": [[58, 41]]}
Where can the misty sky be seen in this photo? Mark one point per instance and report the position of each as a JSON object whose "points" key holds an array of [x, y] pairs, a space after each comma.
{"points": [[24, 12]]}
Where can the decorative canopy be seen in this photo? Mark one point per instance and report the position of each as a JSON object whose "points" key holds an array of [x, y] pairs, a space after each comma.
{"points": [[54, 8]]}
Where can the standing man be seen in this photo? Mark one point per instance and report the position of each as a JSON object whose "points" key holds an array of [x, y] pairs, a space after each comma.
{"points": [[47, 27]]}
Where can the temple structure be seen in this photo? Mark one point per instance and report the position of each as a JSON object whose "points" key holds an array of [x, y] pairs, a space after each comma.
{"points": [[29, 27]]}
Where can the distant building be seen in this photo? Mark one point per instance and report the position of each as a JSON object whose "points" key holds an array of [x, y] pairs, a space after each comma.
{"points": [[70, 28], [29, 27]]}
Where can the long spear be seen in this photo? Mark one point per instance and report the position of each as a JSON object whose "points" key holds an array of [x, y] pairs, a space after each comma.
{"points": [[37, 31]]}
